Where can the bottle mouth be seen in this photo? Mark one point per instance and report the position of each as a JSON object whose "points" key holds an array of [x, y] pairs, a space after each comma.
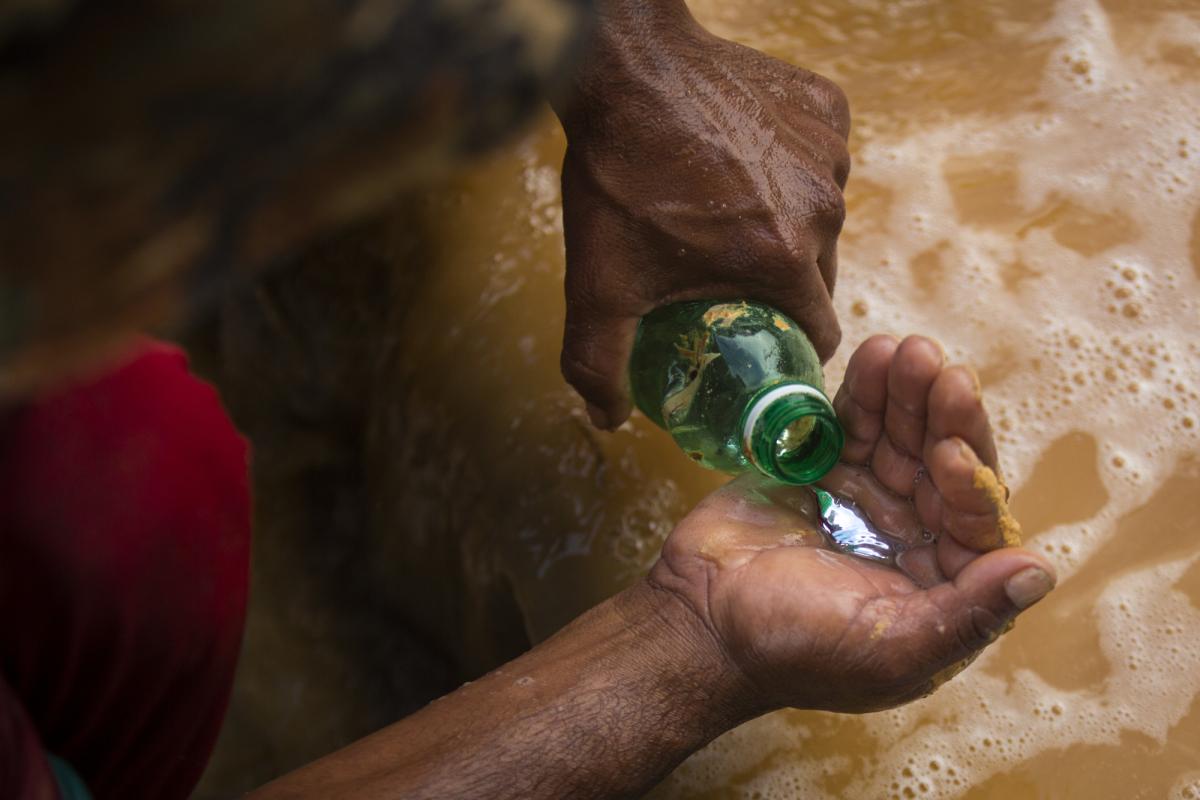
{"points": [[791, 433]]}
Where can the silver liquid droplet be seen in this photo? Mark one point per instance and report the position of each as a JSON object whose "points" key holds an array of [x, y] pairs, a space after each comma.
{"points": [[852, 532]]}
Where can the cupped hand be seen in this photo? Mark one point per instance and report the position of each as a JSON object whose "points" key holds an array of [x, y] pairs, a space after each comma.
{"points": [[696, 168], [814, 628]]}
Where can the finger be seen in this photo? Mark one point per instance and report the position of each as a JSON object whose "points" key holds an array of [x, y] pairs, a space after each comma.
{"points": [[917, 364], [922, 565], [954, 620], [952, 556], [813, 242], [897, 457], [807, 301], [956, 409], [602, 315], [928, 502], [973, 511], [827, 263], [828, 102], [894, 469], [595, 358], [863, 396], [830, 150]]}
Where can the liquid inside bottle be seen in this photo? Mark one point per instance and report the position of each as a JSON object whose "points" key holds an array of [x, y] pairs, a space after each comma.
{"points": [[739, 387]]}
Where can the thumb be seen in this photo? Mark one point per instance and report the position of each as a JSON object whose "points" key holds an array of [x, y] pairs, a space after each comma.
{"points": [[967, 614]]}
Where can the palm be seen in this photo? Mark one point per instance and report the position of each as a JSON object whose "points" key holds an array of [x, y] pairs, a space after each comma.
{"points": [[788, 607]]}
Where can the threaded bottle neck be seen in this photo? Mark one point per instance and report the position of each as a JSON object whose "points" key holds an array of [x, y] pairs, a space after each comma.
{"points": [[791, 433]]}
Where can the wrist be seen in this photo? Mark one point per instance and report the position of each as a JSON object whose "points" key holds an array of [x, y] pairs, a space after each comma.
{"points": [[635, 45], [606, 707], [709, 693]]}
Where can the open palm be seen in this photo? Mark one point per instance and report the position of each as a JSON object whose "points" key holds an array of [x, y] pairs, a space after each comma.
{"points": [[814, 628]]}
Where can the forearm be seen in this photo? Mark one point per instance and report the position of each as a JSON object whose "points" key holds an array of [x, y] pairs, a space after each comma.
{"points": [[605, 708], [628, 17]]}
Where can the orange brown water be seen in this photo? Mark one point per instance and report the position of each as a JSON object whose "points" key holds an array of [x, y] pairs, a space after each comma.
{"points": [[1026, 188]]}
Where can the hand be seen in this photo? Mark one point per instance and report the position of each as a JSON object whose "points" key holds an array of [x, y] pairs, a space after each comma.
{"points": [[814, 628], [696, 168]]}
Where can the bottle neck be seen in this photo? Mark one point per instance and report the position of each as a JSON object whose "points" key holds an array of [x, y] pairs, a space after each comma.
{"points": [[791, 433]]}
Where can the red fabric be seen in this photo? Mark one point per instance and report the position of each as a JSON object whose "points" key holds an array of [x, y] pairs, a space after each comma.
{"points": [[124, 567], [24, 771]]}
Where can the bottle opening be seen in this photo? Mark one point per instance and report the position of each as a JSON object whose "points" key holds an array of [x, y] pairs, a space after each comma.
{"points": [[791, 433]]}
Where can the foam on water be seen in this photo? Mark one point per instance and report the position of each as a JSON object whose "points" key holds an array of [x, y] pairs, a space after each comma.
{"points": [[1050, 246], [979, 724]]}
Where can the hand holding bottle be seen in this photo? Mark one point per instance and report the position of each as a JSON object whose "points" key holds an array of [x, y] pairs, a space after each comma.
{"points": [[696, 168], [813, 628]]}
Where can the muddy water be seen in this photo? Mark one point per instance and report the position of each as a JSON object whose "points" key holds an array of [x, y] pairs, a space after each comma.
{"points": [[1026, 188]]}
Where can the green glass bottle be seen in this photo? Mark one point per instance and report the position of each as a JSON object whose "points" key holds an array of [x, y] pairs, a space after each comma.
{"points": [[739, 387]]}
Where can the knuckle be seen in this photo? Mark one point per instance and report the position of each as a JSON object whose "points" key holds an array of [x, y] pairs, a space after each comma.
{"points": [[970, 527], [577, 371], [824, 206], [829, 201], [840, 110], [569, 369], [782, 260], [841, 166], [833, 102], [977, 629]]}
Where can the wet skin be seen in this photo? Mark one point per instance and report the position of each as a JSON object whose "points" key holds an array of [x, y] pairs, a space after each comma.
{"points": [[782, 605], [747, 610], [696, 168]]}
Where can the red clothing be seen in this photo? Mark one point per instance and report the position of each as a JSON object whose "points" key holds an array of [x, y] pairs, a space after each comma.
{"points": [[124, 567]]}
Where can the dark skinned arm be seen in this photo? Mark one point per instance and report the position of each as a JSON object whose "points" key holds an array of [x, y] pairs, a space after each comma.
{"points": [[605, 708]]}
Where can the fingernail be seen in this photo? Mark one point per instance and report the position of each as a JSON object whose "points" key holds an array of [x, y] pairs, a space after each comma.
{"points": [[598, 417], [966, 452], [1028, 586]]}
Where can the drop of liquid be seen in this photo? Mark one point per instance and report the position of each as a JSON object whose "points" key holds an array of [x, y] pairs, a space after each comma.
{"points": [[852, 533]]}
